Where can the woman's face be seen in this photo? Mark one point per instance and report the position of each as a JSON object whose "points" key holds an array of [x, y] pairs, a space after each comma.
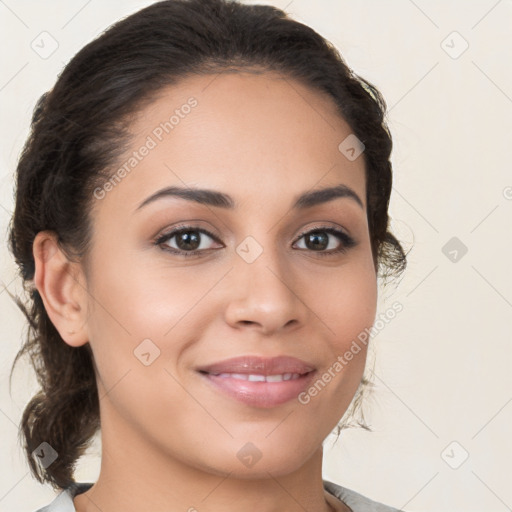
{"points": [[162, 325]]}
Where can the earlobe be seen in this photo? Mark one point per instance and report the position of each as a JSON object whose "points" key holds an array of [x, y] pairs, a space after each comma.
{"points": [[61, 285]]}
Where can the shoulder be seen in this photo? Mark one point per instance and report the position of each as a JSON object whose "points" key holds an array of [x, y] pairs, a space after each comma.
{"points": [[357, 502], [64, 501]]}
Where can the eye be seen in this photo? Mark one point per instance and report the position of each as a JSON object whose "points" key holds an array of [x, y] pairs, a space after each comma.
{"points": [[317, 240], [190, 240]]}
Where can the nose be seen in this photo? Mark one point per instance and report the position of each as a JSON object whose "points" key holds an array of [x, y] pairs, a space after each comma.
{"points": [[265, 295]]}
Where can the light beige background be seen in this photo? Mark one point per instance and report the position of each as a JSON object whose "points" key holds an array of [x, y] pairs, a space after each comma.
{"points": [[443, 364]]}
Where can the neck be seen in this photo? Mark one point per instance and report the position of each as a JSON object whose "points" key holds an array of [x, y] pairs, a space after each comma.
{"points": [[135, 475]]}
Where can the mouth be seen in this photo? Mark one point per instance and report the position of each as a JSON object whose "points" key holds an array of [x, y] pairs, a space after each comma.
{"points": [[254, 377], [259, 381]]}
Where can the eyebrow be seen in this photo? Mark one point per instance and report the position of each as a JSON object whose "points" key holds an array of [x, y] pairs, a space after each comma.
{"points": [[221, 200]]}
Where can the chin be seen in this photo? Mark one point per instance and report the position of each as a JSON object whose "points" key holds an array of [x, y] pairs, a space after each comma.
{"points": [[249, 462]]}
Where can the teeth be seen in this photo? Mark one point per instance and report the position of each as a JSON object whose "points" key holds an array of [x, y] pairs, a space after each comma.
{"points": [[260, 378], [257, 378], [274, 378]]}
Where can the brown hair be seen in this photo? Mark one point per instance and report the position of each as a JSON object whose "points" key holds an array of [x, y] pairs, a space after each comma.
{"points": [[73, 144]]}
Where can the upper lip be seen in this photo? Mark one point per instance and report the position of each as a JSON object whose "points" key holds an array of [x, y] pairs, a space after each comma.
{"points": [[259, 365]]}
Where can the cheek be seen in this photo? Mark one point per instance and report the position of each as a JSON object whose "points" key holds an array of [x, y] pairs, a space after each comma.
{"points": [[139, 314], [139, 300], [348, 310], [349, 307], [136, 323], [349, 304]]}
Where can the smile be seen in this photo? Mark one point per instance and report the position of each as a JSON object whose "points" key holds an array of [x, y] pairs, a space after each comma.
{"points": [[260, 378]]}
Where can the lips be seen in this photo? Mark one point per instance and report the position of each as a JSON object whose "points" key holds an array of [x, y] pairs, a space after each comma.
{"points": [[259, 381], [247, 365]]}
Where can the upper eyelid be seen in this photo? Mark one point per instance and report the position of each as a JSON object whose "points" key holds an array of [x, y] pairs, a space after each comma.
{"points": [[194, 227], [180, 228], [321, 227]]}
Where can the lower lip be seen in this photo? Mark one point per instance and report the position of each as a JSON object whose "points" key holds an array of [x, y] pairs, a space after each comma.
{"points": [[260, 394]]}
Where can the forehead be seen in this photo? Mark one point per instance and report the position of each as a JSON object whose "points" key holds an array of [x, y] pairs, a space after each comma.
{"points": [[263, 136]]}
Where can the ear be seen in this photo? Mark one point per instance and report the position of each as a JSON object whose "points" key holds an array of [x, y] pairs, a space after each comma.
{"points": [[62, 287]]}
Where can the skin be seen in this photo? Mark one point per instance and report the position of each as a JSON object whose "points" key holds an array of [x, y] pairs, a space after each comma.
{"points": [[169, 441]]}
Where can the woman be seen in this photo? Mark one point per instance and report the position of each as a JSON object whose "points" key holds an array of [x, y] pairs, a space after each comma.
{"points": [[201, 219]]}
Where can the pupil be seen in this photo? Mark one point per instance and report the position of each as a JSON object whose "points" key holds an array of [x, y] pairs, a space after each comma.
{"points": [[188, 239]]}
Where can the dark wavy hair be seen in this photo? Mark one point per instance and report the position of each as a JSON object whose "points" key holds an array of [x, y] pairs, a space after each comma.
{"points": [[81, 126]]}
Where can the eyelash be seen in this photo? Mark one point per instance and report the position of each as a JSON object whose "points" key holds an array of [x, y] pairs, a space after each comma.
{"points": [[347, 242]]}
